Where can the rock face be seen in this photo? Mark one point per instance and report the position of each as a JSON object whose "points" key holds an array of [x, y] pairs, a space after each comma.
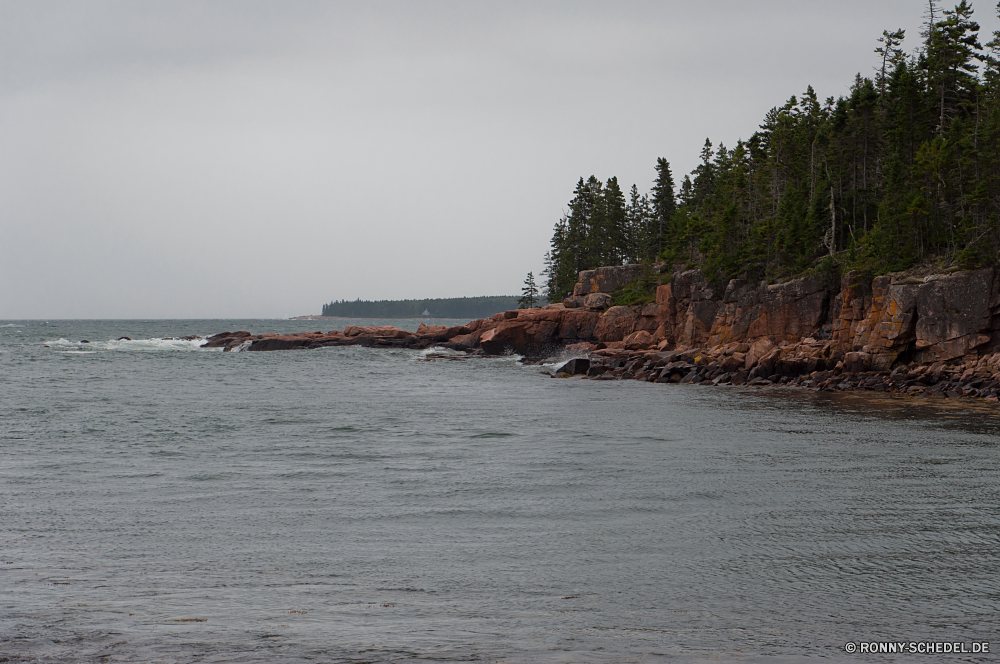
{"points": [[752, 332], [598, 301], [535, 331], [694, 314], [606, 279], [938, 318], [592, 301], [881, 321]]}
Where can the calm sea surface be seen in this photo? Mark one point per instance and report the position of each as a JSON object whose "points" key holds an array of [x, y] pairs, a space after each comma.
{"points": [[161, 503]]}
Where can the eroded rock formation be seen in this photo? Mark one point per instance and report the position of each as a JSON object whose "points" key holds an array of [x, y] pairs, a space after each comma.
{"points": [[606, 279]]}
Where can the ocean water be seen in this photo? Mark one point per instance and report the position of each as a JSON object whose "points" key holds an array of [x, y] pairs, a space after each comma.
{"points": [[163, 503]]}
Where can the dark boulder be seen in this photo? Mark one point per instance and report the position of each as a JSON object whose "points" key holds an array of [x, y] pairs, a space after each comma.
{"points": [[576, 366]]}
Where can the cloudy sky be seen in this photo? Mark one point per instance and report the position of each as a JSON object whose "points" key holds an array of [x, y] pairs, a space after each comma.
{"points": [[246, 158]]}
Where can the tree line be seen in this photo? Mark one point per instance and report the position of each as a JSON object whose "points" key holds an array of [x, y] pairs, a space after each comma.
{"points": [[903, 170]]}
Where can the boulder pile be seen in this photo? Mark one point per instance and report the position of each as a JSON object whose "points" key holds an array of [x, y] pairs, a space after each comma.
{"points": [[805, 365]]}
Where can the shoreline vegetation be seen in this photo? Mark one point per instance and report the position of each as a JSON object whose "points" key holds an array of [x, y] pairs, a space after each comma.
{"points": [[904, 171], [852, 244]]}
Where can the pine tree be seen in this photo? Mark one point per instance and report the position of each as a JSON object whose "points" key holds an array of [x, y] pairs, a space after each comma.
{"points": [[640, 228], [891, 54], [664, 205], [560, 263], [529, 294], [952, 49], [614, 235]]}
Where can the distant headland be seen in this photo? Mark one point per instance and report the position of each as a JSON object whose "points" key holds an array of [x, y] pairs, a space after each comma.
{"points": [[454, 307]]}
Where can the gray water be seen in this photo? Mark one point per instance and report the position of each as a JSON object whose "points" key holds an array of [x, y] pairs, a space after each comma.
{"points": [[161, 503]]}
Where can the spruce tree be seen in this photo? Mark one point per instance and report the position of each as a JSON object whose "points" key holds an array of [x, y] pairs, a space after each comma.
{"points": [[614, 228], [640, 232], [529, 294], [664, 205]]}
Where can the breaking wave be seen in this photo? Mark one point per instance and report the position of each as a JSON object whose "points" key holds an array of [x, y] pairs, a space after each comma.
{"points": [[156, 344]]}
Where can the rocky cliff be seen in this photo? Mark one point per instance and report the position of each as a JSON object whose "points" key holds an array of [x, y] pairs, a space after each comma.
{"points": [[935, 333], [871, 323], [932, 332]]}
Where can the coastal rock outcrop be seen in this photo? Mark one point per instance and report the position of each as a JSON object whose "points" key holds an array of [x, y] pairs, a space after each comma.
{"points": [[935, 318], [891, 333], [595, 301], [694, 314], [352, 335], [606, 279], [535, 331], [917, 333]]}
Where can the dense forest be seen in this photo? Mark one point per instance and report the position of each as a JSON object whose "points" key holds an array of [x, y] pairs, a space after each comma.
{"points": [[467, 308], [905, 170]]}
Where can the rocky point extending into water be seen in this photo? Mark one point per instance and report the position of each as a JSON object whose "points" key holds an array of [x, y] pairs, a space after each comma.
{"points": [[917, 333]]}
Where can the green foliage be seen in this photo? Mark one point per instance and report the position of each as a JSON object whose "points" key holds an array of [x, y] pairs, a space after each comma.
{"points": [[640, 291], [905, 169], [629, 296], [664, 204], [602, 229], [829, 272], [529, 294], [456, 307]]}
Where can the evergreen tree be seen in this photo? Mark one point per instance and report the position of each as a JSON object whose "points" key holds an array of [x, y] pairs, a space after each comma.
{"points": [[640, 228], [529, 294], [903, 169], [952, 49], [614, 229], [560, 263], [891, 54], [593, 233], [664, 205]]}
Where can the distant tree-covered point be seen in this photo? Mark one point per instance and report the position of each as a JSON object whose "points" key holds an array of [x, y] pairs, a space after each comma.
{"points": [[453, 307]]}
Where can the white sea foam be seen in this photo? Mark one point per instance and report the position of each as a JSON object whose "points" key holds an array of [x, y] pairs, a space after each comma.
{"points": [[439, 350], [551, 364], [154, 344], [129, 344]]}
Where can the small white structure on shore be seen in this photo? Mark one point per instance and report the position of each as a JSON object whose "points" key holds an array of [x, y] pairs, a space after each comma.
{"points": [[426, 313]]}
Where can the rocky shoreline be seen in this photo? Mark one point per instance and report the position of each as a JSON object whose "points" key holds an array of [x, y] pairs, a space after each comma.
{"points": [[724, 368], [426, 336], [913, 333]]}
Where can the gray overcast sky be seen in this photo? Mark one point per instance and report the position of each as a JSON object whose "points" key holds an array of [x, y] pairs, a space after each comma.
{"points": [[246, 158]]}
